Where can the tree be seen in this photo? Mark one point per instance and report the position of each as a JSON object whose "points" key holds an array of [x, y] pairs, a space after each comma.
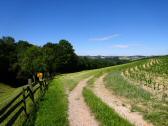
{"points": [[50, 55], [20, 60], [30, 60], [8, 59], [22, 46], [67, 58]]}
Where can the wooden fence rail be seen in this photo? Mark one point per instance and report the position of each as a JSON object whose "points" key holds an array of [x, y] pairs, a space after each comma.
{"points": [[19, 103]]}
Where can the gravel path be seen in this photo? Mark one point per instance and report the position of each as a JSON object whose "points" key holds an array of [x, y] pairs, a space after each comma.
{"points": [[79, 113], [117, 104]]}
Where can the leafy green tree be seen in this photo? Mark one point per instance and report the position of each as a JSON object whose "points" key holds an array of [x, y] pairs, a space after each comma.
{"points": [[30, 59], [20, 60], [21, 46], [7, 59], [67, 58], [50, 55]]}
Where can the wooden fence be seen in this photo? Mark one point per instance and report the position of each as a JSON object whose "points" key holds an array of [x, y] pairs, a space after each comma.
{"points": [[19, 102]]}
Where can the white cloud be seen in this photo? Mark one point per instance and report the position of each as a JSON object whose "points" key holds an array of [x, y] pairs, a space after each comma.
{"points": [[121, 46], [104, 38], [124, 46]]}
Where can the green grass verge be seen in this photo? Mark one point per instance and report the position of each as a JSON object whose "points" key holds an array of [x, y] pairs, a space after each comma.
{"points": [[53, 108], [71, 80], [7, 93], [122, 87], [106, 115]]}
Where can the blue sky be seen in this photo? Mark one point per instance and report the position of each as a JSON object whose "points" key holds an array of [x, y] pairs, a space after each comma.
{"points": [[94, 27]]}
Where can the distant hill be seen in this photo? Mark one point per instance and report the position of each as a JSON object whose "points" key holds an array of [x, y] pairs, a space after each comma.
{"points": [[136, 57]]}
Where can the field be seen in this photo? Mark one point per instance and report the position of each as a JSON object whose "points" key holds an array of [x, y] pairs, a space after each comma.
{"points": [[131, 94], [84, 63], [12, 101], [6, 93]]}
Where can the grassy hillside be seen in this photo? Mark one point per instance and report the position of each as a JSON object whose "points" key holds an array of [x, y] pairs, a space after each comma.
{"points": [[143, 85], [7, 93], [151, 76]]}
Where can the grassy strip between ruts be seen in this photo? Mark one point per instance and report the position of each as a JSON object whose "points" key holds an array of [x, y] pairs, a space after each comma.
{"points": [[106, 115], [53, 107]]}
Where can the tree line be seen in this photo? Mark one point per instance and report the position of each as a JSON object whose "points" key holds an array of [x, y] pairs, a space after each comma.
{"points": [[21, 60]]}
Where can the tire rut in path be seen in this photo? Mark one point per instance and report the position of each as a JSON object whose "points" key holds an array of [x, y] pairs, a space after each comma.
{"points": [[117, 104], [79, 113]]}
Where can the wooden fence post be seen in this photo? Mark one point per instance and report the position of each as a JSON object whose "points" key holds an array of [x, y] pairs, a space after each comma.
{"points": [[29, 81], [41, 87], [34, 78], [31, 90], [24, 101], [46, 84]]}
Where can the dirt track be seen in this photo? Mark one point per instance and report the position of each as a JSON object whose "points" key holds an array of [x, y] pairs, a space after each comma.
{"points": [[117, 104], [79, 113]]}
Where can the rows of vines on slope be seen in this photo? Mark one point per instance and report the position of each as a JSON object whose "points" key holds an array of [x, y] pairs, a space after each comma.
{"points": [[152, 74]]}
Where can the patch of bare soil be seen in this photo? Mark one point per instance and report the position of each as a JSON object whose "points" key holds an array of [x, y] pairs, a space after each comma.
{"points": [[79, 113], [118, 104]]}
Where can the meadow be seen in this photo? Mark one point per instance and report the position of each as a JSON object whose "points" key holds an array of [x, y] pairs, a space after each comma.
{"points": [[141, 85]]}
